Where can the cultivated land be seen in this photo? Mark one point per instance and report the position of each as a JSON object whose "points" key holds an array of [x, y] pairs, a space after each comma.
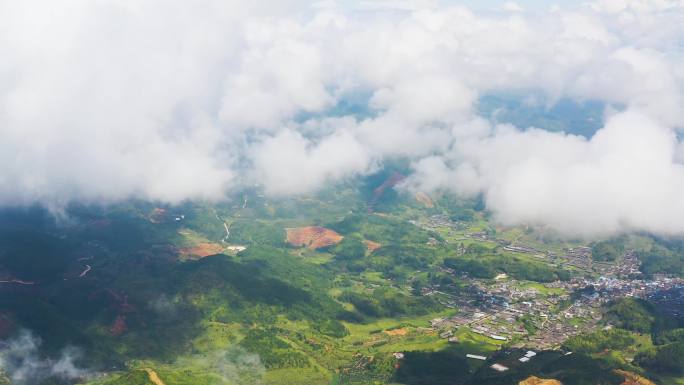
{"points": [[359, 284]]}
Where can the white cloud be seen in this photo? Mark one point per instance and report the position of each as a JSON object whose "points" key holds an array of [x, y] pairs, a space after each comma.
{"points": [[512, 6], [288, 163], [624, 178], [163, 100], [21, 362]]}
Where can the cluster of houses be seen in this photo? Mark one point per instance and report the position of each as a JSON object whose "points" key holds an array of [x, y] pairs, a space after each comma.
{"points": [[509, 311], [527, 316]]}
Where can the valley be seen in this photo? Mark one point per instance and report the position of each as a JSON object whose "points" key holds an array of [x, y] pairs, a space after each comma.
{"points": [[319, 291]]}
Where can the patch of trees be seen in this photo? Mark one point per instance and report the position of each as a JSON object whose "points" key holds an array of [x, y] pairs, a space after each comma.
{"points": [[478, 249], [411, 256], [596, 342], [581, 369], [669, 336], [463, 210], [487, 267], [273, 351], [667, 359], [34, 255], [256, 233], [256, 286], [387, 231], [662, 261], [666, 256], [385, 302], [332, 328], [631, 314], [432, 368], [574, 369], [606, 251], [350, 248]]}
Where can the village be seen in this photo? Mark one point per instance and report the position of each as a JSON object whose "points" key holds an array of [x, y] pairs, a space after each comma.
{"points": [[542, 316]]}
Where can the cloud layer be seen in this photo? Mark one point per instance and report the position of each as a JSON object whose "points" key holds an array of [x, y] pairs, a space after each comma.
{"points": [[20, 361], [163, 100]]}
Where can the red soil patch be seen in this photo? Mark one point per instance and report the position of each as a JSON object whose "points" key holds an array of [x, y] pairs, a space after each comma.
{"points": [[372, 246], [633, 379], [379, 191], [397, 332], [118, 302], [119, 327], [425, 199], [202, 250], [158, 215], [313, 237], [539, 381]]}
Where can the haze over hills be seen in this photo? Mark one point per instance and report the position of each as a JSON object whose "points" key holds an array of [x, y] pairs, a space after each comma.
{"points": [[335, 192]]}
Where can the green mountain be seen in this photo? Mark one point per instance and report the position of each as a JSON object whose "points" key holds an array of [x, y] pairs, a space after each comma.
{"points": [[363, 283]]}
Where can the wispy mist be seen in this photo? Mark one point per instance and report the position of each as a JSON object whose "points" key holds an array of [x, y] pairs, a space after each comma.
{"points": [[22, 363]]}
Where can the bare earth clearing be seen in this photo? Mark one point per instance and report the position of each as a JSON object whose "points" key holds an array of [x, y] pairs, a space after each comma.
{"points": [[539, 381], [154, 377], [313, 237], [201, 250]]}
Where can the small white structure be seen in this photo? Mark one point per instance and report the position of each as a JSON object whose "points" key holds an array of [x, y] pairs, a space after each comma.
{"points": [[530, 354], [476, 357], [524, 359], [498, 338], [398, 355], [499, 367], [436, 321]]}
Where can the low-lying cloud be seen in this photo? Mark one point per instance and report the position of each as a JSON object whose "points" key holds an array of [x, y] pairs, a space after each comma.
{"points": [[623, 178], [231, 366], [164, 100], [21, 362]]}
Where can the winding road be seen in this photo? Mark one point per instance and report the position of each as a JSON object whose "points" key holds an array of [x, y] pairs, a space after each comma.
{"points": [[87, 269], [19, 282], [154, 377], [225, 226]]}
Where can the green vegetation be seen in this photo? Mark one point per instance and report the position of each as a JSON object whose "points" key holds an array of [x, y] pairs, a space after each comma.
{"points": [[659, 255], [277, 314], [488, 266], [668, 359], [574, 369], [385, 302], [350, 248], [663, 258], [631, 314], [607, 250], [431, 368], [669, 336], [273, 351], [614, 339]]}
